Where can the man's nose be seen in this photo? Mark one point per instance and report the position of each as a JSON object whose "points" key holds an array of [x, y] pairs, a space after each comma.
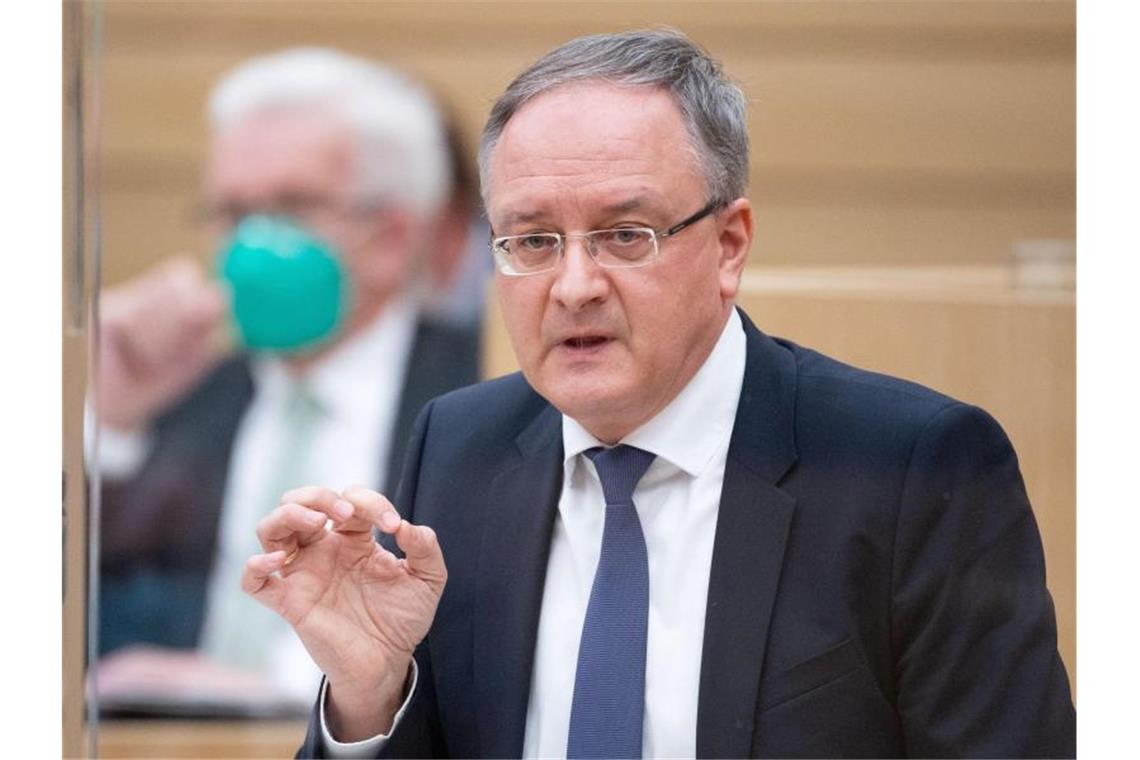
{"points": [[579, 280]]}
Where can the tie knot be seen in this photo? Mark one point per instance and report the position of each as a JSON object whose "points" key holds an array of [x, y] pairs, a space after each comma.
{"points": [[619, 469]]}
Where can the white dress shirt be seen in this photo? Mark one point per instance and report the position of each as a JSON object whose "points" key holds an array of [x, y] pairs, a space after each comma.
{"points": [[358, 385], [677, 502]]}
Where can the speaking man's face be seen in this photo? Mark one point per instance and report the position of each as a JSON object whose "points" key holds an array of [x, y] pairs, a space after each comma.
{"points": [[612, 347]]}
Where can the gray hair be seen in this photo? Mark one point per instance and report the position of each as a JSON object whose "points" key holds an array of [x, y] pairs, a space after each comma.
{"points": [[712, 106], [401, 147]]}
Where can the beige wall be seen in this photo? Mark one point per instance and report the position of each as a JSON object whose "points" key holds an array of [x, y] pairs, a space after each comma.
{"points": [[883, 133]]}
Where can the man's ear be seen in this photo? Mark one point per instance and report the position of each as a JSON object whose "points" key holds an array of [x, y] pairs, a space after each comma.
{"points": [[735, 226], [448, 242]]}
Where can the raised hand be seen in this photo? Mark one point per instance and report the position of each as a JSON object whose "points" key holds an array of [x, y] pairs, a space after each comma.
{"points": [[359, 610], [159, 334]]}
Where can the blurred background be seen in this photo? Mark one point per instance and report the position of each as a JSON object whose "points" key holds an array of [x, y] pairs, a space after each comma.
{"points": [[913, 179], [882, 133]]}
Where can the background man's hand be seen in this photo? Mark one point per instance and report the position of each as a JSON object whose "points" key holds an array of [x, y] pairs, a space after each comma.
{"points": [[359, 610], [159, 334], [144, 672]]}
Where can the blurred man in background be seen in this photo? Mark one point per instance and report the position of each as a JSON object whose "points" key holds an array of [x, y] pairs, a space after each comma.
{"points": [[348, 162]]}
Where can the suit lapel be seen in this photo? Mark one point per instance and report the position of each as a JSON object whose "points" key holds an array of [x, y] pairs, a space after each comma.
{"points": [[443, 358], [195, 478], [751, 533], [512, 572]]}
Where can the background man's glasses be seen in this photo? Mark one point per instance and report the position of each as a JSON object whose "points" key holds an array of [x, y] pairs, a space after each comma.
{"points": [[617, 248], [312, 211]]}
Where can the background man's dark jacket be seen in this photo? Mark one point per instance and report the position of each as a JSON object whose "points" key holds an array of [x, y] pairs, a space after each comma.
{"points": [[159, 530]]}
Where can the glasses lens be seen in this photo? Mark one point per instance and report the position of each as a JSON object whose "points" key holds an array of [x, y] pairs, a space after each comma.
{"points": [[623, 247], [524, 254]]}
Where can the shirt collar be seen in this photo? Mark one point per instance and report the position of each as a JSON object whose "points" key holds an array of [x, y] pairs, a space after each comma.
{"points": [[351, 377], [692, 428]]}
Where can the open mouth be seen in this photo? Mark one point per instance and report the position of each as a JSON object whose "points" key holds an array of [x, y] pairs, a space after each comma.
{"points": [[585, 341]]}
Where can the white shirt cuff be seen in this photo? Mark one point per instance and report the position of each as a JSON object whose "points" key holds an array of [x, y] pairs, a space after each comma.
{"points": [[365, 747], [121, 454]]}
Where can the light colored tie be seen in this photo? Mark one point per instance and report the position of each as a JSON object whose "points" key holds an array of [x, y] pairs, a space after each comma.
{"points": [[239, 631]]}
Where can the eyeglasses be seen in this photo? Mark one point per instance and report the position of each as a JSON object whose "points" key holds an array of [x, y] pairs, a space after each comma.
{"points": [[311, 210], [617, 248]]}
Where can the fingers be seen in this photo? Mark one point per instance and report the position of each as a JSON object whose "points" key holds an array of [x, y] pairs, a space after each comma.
{"points": [[384, 565], [294, 524], [290, 526], [320, 498], [168, 310], [198, 306], [203, 300], [258, 579], [372, 509], [159, 333], [323, 500], [421, 549], [422, 554], [302, 516]]}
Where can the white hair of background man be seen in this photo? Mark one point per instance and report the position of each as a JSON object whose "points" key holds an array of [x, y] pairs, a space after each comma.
{"points": [[402, 149]]}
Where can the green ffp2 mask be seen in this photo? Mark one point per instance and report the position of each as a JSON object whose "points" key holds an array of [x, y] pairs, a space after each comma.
{"points": [[289, 289]]}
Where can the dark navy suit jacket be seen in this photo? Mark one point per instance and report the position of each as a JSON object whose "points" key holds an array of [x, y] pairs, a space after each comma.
{"points": [[877, 586], [159, 530]]}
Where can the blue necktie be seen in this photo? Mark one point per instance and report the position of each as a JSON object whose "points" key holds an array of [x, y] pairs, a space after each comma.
{"points": [[609, 688]]}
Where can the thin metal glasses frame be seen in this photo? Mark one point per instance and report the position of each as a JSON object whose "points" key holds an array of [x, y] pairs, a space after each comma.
{"points": [[499, 244]]}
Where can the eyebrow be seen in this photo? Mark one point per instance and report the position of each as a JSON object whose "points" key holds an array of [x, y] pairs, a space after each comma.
{"points": [[633, 204], [522, 217], [622, 207]]}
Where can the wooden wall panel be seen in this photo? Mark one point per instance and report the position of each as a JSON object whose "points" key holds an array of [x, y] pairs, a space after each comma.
{"points": [[824, 234], [902, 115], [883, 132]]}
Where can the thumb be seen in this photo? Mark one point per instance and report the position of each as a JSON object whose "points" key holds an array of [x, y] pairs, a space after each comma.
{"points": [[422, 553], [258, 579]]}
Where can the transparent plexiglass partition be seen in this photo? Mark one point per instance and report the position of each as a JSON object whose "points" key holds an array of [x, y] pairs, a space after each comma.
{"points": [[80, 90], [137, 84]]}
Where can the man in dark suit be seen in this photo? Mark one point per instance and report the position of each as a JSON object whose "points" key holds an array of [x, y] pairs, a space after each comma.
{"points": [[356, 155], [670, 535]]}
